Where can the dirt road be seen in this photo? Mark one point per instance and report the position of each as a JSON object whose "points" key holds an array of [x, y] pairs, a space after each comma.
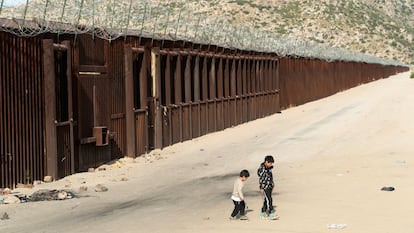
{"points": [[332, 158]]}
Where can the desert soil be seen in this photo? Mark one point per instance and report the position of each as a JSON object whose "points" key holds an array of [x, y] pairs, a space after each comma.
{"points": [[333, 156]]}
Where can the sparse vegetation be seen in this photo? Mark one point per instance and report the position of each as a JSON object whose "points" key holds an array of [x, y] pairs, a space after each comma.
{"points": [[412, 75], [383, 28]]}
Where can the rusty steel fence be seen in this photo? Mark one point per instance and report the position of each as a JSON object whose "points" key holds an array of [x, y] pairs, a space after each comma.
{"points": [[202, 93], [304, 80], [71, 102], [22, 157]]}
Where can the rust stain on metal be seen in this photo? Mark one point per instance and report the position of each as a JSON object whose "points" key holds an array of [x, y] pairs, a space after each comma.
{"points": [[178, 93]]}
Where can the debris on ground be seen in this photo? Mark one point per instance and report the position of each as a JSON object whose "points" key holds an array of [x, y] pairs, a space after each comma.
{"points": [[387, 189], [100, 188], [5, 216], [83, 189], [11, 200], [5, 191], [336, 226], [50, 195], [117, 164], [25, 186], [48, 179], [40, 195]]}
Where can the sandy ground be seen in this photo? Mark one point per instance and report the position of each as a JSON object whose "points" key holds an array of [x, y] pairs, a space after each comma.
{"points": [[333, 156]]}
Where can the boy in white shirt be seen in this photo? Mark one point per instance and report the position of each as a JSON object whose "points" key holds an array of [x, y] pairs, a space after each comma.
{"points": [[238, 197]]}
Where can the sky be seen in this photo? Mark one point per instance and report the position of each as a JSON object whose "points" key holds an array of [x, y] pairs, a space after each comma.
{"points": [[12, 2]]}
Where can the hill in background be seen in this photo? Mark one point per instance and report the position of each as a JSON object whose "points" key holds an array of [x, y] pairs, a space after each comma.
{"points": [[382, 28]]}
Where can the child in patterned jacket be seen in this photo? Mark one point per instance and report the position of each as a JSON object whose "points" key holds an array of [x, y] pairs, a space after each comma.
{"points": [[266, 185]]}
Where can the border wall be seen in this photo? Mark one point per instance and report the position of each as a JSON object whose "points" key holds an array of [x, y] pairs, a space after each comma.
{"points": [[71, 102]]}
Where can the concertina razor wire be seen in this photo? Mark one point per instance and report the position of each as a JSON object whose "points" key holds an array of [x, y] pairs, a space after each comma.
{"points": [[169, 20]]}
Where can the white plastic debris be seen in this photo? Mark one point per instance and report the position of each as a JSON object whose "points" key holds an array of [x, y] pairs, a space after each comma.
{"points": [[336, 226]]}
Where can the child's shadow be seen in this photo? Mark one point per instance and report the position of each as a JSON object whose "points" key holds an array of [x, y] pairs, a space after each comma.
{"points": [[247, 210]]}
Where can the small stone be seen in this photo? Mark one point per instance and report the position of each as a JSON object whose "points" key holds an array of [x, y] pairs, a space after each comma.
{"points": [[126, 160], [11, 200], [124, 179], [5, 191], [5, 216], [37, 182], [48, 179], [62, 195], [91, 169], [100, 188], [387, 189], [19, 185], [83, 189], [117, 164], [103, 167]]}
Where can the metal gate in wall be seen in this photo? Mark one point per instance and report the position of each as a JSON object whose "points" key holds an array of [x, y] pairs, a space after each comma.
{"points": [[176, 95], [59, 120], [197, 92], [138, 101]]}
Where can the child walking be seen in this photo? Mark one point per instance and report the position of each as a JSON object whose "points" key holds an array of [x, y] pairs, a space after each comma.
{"points": [[266, 186], [238, 197]]}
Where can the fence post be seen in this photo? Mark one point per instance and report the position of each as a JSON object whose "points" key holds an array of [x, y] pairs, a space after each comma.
{"points": [[156, 82], [67, 44], [50, 108], [129, 103]]}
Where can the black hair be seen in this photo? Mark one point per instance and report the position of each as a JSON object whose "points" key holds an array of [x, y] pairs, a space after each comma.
{"points": [[269, 159], [244, 173]]}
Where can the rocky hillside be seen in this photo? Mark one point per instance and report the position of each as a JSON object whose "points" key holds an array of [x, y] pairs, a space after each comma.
{"points": [[382, 28]]}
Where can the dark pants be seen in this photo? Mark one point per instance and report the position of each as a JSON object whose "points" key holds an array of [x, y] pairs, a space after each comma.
{"points": [[268, 201], [239, 207]]}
